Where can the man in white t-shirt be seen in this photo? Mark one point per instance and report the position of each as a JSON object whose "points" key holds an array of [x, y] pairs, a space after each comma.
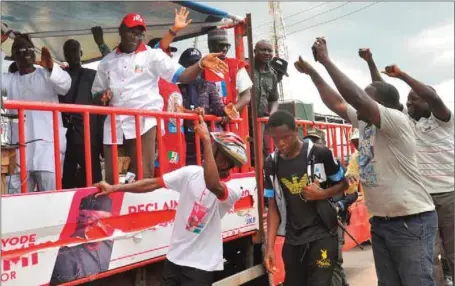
{"points": [[196, 243], [434, 125], [128, 78], [404, 222]]}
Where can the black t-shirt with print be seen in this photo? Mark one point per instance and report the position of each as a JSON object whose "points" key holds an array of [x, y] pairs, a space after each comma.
{"points": [[303, 224]]}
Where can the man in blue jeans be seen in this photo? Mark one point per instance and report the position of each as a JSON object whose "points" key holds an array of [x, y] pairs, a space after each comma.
{"points": [[404, 221]]}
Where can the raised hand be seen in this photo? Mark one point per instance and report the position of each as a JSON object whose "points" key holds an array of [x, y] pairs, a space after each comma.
{"points": [[320, 50], [98, 35], [365, 54], [392, 71], [180, 20], [212, 62], [46, 60], [303, 66]]}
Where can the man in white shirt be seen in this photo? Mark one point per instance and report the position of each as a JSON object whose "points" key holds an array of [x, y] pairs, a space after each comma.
{"points": [[42, 85], [434, 125], [404, 222], [128, 77], [196, 244]]}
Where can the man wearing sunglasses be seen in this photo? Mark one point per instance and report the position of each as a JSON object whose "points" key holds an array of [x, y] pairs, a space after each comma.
{"points": [[44, 84], [128, 78], [235, 84]]}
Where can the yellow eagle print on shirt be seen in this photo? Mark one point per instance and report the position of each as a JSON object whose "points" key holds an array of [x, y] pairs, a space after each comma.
{"points": [[296, 185]]}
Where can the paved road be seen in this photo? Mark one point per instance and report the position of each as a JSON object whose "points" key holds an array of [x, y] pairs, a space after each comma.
{"points": [[359, 267]]}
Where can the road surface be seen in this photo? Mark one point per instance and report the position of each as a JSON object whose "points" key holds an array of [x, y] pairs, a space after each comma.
{"points": [[359, 267]]}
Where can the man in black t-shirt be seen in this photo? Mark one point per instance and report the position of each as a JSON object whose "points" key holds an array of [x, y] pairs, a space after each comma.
{"points": [[310, 248]]}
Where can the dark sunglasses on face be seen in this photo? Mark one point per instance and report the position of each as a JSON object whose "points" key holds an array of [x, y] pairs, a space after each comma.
{"points": [[222, 46], [22, 51]]}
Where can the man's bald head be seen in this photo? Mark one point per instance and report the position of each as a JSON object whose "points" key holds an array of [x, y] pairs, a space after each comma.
{"points": [[263, 51]]}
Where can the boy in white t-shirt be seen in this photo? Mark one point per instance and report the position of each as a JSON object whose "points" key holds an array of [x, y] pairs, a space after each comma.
{"points": [[196, 243]]}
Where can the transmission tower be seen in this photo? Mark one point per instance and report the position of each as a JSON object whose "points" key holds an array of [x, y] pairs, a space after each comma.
{"points": [[278, 36]]}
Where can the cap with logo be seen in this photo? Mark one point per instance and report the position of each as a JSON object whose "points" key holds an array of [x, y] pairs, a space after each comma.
{"points": [[189, 57], [134, 20]]}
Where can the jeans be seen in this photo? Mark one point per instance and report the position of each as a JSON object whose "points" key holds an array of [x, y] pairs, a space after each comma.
{"points": [[403, 249]]}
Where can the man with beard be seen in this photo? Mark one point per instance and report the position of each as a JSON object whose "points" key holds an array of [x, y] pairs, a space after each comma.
{"points": [[128, 78], [80, 93], [395, 194], [36, 84], [434, 125]]}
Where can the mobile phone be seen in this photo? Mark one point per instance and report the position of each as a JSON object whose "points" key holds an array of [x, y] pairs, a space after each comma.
{"points": [[315, 54]]}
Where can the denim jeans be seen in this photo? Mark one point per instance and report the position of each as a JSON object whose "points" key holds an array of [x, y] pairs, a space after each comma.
{"points": [[403, 249]]}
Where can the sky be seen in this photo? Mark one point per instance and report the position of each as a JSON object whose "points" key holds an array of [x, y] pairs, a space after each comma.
{"points": [[417, 36]]}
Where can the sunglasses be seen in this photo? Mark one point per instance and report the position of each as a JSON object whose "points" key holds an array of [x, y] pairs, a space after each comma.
{"points": [[22, 51]]}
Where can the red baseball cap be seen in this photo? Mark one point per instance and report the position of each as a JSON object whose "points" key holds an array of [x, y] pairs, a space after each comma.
{"points": [[134, 20]]}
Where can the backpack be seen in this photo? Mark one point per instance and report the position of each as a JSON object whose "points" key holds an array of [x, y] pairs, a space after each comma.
{"points": [[325, 208]]}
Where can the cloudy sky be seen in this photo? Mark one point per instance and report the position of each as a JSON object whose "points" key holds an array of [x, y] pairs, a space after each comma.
{"points": [[419, 37]]}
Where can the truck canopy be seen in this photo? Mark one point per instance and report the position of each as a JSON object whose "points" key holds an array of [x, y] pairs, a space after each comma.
{"points": [[51, 23]]}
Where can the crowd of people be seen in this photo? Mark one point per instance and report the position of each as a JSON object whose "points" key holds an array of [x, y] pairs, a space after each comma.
{"points": [[403, 164]]}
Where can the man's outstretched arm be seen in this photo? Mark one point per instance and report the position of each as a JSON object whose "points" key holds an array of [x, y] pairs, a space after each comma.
{"points": [[437, 106], [331, 98], [366, 107]]}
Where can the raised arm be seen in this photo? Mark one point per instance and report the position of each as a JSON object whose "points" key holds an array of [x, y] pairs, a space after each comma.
{"points": [[331, 98], [211, 175], [437, 106], [366, 107], [142, 186], [97, 33], [368, 57], [180, 23]]}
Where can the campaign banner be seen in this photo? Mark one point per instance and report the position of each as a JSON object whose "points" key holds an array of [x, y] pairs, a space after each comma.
{"points": [[51, 238]]}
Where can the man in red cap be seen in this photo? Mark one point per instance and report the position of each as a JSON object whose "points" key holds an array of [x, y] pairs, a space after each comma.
{"points": [[128, 77]]}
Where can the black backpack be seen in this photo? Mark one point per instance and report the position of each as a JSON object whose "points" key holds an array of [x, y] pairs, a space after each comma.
{"points": [[325, 208]]}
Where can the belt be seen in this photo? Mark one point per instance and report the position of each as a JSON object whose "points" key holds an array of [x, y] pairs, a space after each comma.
{"points": [[398, 217]]}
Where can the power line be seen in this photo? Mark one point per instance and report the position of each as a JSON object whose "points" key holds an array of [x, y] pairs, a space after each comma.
{"points": [[287, 17], [295, 14], [314, 16], [334, 19]]}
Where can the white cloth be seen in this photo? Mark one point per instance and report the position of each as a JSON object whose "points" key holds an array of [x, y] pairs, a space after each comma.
{"points": [[388, 165], [200, 244], [243, 81], [435, 153], [133, 79], [38, 86]]}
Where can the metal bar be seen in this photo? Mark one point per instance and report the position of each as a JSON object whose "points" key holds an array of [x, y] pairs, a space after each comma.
{"points": [[140, 168], [161, 151], [115, 173], [342, 145], [58, 166], [180, 142], [22, 151], [197, 141], [88, 150], [78, 108]]}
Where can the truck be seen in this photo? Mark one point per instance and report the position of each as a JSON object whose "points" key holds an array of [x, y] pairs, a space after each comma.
{"points": [[136, 235]]}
